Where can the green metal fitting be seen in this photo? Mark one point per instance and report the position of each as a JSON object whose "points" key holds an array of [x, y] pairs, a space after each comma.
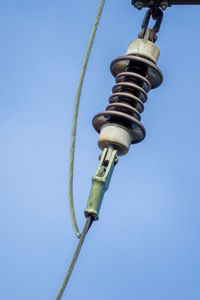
{"points": [[100, 182]]}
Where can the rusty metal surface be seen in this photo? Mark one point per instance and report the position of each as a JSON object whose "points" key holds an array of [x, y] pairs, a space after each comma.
{"points": [[157, 15]]}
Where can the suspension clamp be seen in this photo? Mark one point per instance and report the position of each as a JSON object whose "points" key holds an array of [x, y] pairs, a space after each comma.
{"points": [[101, 181]]}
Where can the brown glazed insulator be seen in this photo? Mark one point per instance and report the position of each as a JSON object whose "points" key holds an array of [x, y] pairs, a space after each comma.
{"points": [[134, 77]]}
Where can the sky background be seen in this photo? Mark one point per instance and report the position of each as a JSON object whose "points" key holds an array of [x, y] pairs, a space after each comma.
{"points": [[146, 243]]}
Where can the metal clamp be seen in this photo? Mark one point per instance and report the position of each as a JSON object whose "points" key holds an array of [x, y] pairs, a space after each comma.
{"points": [[100, 182]]}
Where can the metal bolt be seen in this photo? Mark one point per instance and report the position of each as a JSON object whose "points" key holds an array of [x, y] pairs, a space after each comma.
{"points": [[164, 5], [139, 5]]}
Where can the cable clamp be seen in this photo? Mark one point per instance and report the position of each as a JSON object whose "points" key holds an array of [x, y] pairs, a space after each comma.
{"points": [[101, 181]]}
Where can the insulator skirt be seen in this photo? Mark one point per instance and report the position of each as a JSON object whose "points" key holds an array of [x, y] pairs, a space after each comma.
{"points": [[134, 77]]}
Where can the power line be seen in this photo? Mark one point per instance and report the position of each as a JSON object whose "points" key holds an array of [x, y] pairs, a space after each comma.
{"points": [[88, 223], [75, 117]]}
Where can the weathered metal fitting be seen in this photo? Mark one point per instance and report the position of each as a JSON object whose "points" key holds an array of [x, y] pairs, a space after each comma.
{"points": [[145, 49], [139, 5], [100, 182], [164, 4], [115, 135]]}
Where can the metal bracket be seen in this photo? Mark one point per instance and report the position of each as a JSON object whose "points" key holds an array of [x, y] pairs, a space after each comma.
{"points": [[139, 4], [100, 182]]}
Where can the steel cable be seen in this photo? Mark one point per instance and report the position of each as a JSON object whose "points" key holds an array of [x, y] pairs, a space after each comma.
{"points": [[74, 259], [89, 220], [75, 117]]}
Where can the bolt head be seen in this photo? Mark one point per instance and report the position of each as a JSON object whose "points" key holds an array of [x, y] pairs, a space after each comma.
{"points": [[164, 5], [139, 5]]}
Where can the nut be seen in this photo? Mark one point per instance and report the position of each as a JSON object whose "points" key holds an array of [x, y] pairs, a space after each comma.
{"points": [[139, 5], [164, 4]]}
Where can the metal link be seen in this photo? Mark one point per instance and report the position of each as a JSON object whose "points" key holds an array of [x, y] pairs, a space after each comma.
{"points": [[157, 15], [100, 182]]}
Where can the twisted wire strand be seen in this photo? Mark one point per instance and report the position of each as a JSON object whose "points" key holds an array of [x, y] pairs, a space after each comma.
{"points": [[75, 117], [88, 223]]}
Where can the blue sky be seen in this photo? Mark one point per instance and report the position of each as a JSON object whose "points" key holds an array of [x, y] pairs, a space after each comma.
{"points": [[146, 243]]}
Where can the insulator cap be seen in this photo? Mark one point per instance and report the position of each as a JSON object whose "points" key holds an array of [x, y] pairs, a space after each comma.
{"points": [[145, 49], [115, 135]]}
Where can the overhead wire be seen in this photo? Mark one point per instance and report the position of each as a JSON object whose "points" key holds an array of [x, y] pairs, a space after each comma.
{"points": [[88, 223], [75, 117], [89, 220]]}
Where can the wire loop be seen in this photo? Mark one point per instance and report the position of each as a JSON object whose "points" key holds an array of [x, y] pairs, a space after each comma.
{"points": [[75, 117]]}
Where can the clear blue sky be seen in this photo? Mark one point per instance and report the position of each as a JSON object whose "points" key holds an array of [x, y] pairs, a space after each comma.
{"points": [[146, 243]]}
